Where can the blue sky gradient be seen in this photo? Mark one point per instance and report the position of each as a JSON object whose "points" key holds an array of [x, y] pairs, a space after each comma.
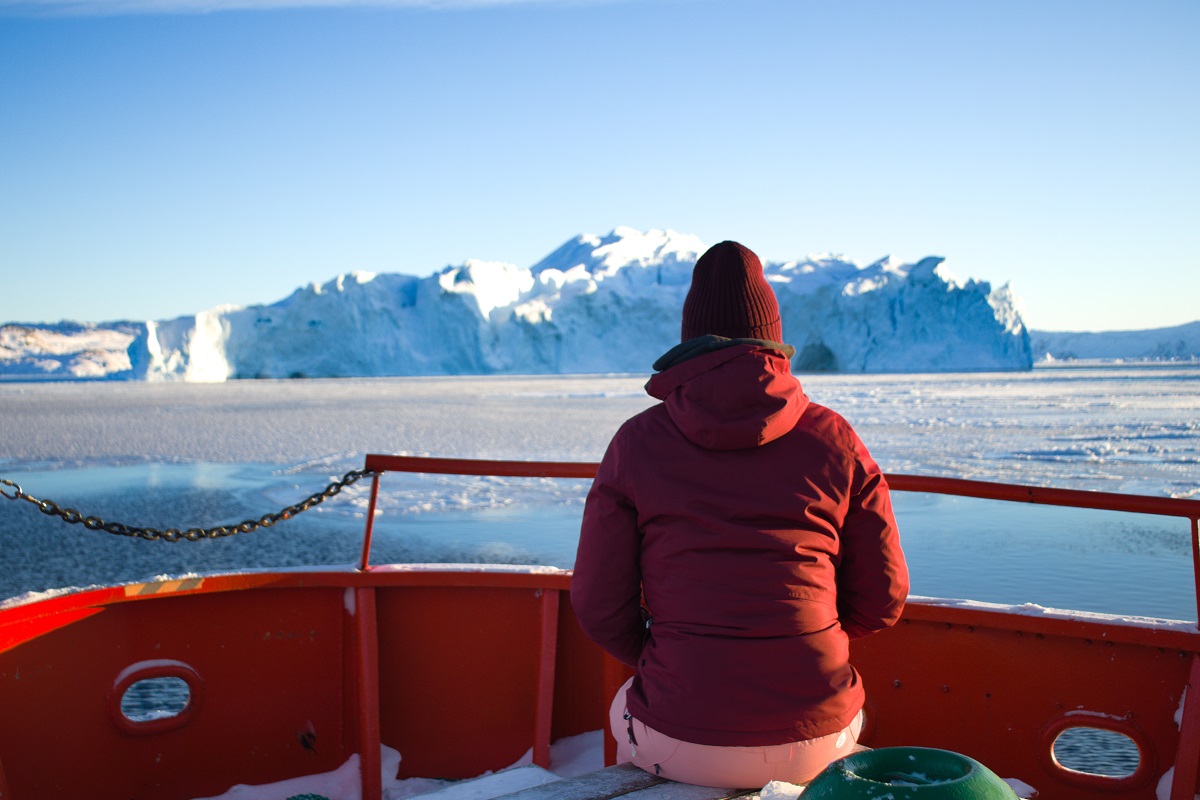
{"points": [[156, 162]]}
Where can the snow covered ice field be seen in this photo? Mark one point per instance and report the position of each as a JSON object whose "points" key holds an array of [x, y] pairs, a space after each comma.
{"points": [[188, 455]]}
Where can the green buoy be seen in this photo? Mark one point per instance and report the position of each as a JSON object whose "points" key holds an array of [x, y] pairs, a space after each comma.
{"points": [[908, 773]]}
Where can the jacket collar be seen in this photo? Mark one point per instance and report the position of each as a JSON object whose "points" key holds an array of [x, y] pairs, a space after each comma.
{"points": [[728, 394], [710, 343]]}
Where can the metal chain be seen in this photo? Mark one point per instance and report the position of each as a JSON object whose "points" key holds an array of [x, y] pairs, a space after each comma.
{"points": [[70, 515]]}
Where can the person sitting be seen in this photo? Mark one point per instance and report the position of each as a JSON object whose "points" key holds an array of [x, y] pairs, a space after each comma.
{"points": [[737, 536]]}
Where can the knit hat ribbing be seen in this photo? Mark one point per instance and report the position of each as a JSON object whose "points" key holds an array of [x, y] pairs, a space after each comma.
{"points": [[730, 297]]}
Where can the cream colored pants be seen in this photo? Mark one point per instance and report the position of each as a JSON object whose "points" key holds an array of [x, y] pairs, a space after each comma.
{"points": [[725, 767]]}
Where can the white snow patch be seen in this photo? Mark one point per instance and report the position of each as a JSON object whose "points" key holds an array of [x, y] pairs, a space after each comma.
{"points": [[780, 790], [28, 598], [343, 783], [1163, 790], [1022, 789], [511, 568], [569, 756], [572, 755], [1035, 610], [1082, 712], [495, 784]]}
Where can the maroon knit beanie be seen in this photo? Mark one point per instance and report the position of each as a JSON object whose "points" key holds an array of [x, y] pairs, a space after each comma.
{"points": [[730, 297]]}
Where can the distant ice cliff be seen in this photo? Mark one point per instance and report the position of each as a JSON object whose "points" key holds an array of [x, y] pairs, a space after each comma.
{"points": [[1178, 343], [596, 304]]}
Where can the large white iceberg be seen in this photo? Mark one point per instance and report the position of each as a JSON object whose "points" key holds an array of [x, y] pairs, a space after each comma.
{"points": [[596, 304]]}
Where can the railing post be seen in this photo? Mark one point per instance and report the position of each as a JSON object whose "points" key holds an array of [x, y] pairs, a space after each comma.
{"points": [[1183, 786], [366, 679], [544, 704], [365, 558], [1196, 562]]}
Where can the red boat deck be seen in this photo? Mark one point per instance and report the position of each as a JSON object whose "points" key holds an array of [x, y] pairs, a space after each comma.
{"points": [[463, 670]]}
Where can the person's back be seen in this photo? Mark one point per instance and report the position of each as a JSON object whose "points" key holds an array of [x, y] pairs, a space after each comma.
{"points": [[759, 533]]}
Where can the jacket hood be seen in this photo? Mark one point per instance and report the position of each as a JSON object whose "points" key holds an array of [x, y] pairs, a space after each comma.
{"points": [[729, 394]]}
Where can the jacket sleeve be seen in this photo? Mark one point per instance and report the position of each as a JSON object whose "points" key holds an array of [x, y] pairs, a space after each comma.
{"points": [[606, 590], [872, 575]]}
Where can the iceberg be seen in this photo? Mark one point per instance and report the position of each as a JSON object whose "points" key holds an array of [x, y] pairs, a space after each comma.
{"points": [[596, 304]]}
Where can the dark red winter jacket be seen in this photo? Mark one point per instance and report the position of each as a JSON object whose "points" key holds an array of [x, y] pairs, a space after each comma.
{"points": [[758, 533]]}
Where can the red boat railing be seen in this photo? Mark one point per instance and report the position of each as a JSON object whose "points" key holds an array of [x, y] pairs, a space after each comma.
{"points": [[1072, 498]]}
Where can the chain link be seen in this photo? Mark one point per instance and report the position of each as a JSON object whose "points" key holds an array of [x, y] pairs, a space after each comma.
{"points": [[73, 517]]}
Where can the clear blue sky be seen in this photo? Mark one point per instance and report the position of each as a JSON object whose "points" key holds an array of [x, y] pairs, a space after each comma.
{"points": [[160, 158]]}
